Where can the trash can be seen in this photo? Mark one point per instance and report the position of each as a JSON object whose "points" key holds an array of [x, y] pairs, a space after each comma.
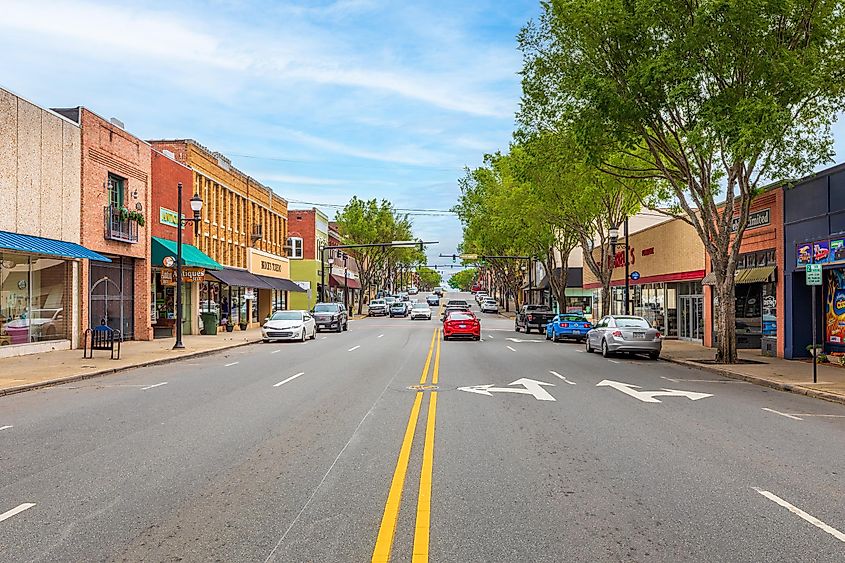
{"points": [[209, 323], [769, 346]]}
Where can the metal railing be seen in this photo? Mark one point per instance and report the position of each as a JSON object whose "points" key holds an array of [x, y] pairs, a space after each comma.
{"points": [[118, 228]]}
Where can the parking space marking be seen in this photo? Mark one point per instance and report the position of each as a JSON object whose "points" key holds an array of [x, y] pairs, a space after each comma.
{"points": [[510, 348], [153, 386], [6, 427], [16, 510], [556, 374], [353, 348], [782, 413], [230, 365], [803, 515], [291, 378]]}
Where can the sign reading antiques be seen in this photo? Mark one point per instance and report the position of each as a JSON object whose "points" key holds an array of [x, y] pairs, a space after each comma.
{"points": [[168, 275], [755, 220]]}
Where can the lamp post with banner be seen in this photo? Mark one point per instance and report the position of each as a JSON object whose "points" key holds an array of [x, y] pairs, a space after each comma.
{"points": [[196, 207]]}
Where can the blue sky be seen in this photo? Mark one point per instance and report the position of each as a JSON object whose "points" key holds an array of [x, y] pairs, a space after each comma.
{"points": [[319, 100]]}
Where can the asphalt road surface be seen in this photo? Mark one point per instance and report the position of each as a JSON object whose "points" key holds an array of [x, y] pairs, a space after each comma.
{"points": [[385, 443]]}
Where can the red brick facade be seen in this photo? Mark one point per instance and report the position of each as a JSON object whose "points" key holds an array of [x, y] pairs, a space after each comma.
{"points": [[108, 150], [166, 175], [302, 224]]}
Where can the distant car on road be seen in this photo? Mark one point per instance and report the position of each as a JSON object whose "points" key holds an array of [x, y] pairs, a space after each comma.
{"points": [[413, 290], [480, 296], [615, 333], [489, 305], [438, 291], [533, 316], [378, 308], [432, 300], [398, 309], [331, 316], [461, 324], [289, 325], [568, 325], [457, 303], [420, 311], [452, 308]]}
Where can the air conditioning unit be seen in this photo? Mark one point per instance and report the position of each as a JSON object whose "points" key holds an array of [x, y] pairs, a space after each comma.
{"points": [[257, 232]]}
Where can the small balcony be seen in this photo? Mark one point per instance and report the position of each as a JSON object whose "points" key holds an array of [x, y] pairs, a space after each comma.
{"points": [[120, 228]]}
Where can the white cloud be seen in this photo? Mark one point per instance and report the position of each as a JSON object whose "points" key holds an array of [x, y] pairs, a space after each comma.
{"points": [[299, 180]]}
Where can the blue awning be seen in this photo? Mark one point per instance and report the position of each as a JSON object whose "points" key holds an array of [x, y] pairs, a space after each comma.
{"points": [[47, 246]]}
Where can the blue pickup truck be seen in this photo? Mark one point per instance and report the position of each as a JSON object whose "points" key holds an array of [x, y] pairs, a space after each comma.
{"points": [[568, 325]]}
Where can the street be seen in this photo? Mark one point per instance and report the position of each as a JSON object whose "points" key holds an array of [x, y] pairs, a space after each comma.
{"points": [[387, 443]]}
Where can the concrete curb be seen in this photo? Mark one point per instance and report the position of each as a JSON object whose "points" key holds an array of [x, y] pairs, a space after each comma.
{"points": [[788, 387], [103, 372]]}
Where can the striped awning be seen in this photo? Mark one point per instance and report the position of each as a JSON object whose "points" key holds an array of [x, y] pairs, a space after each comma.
{"points": [[755, 275], [47, 246]]}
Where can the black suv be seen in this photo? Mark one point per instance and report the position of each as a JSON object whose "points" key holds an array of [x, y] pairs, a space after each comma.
{"points": [[331, 316]]}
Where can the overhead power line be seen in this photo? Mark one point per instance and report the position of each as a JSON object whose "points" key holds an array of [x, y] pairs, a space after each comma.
{"points": [[411, 211]]}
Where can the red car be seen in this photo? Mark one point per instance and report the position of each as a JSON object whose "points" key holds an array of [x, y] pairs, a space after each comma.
{"points": [[461, 324]]}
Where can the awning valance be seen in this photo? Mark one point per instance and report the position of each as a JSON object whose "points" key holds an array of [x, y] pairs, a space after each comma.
{"points": [[280, 284], [191, 255], [238, 278], [338, 281], [47, 246], [755, 275], [709, 279]]}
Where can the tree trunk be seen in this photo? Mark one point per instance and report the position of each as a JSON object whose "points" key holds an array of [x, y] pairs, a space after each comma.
{"points": [[726, 321]]}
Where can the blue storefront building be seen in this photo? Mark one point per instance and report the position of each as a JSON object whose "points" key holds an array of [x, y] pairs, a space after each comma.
{"points": [[814, 217]]}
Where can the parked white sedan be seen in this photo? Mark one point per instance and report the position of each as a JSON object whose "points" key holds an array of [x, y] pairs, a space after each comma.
{"points": [[289, 325], [420, 311]]}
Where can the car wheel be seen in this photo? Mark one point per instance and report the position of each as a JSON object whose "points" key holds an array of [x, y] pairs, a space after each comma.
{"points": [[588, 347], [314, 334], [266, 341], [346, 325], [654, 355], [548, 336], [302, 338], [339, 327], [516, 327], [527, 329], [604, 350]]}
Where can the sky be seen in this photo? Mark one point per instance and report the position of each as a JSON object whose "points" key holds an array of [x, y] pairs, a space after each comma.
{"points": [[320, 100]]}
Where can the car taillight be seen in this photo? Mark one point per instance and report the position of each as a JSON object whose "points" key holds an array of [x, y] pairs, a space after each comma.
{"points": [[564, 325], [530, 317], [588, 325], [617, 333], [658, 335]]}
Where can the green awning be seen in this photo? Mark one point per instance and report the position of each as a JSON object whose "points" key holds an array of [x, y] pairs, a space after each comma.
{"points": [[191, 255]]}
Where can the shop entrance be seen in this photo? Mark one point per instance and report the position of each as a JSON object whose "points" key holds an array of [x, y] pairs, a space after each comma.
{"points": [[691, 312]]}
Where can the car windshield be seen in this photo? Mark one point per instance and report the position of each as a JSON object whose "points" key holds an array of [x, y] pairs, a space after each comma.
{"points": [[327, 308], [419, 306], [376, 302], [457, 302], [572, 319], [398, 305], [632, 322], [286, 316], [460, 316], [537, 308]]}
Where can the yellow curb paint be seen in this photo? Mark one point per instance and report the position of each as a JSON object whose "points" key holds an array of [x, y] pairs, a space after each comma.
{"points": [[428, 358], [384, 542], [423, 525]]}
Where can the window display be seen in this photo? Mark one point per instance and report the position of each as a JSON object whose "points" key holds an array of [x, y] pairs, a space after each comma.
{"points": [[33, 298]]}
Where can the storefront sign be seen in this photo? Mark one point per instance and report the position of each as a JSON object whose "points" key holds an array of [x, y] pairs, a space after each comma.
{"points": [[824, 251], [835, 307], [189, 275], [821, 252], [635, 276], [168, 217], [804, 254], [755, 220], [249, 293], [266, 264], [814, 274], [837, 249]]}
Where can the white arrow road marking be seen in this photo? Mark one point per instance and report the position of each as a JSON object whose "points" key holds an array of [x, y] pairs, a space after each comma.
{"points": [[353, 348], [801, 514], [556, 374], [16, 510], [782, 413], [291, 378], [530, 387], [155, 385], [649, 396], [6, 427]]}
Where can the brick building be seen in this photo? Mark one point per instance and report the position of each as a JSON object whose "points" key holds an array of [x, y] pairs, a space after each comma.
{"points": [[243, 228], [114, 213], [308, 232]]}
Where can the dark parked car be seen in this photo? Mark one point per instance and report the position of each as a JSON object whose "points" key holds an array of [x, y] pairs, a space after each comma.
{"points": [[331, 316], [533, 316]]}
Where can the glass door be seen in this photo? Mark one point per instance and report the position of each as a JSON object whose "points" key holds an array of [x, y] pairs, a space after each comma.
{"points": [[692, 317]]}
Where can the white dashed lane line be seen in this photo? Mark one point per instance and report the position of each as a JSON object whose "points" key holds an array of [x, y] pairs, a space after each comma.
{"points": [[6, 427], [556, 374], [275, 351], [380, 336], [803, 515], [232, 364], [154, 385], [16, 510], [291, 378], [511, 348], [353, 348]]}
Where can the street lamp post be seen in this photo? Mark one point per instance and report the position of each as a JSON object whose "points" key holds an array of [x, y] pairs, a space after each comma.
{"points": [[613, 232], [196, 207], [331, 267], [345, 282], [627, 273]]}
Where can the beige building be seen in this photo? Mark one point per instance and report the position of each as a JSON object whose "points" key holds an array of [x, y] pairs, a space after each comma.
{"points": [[244, 228], [41, 260]]}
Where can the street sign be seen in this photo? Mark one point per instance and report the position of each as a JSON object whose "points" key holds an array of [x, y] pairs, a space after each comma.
{"points": [[814, 274], [635, 276], [649, 396], [529, 387], [469, 256]]}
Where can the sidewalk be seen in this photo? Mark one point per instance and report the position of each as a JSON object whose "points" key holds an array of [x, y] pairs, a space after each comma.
{"points": [[788, 375], [51, 368]]}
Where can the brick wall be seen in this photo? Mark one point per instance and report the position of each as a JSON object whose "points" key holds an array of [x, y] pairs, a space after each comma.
{"points": [[302, 223], [166, 175]]}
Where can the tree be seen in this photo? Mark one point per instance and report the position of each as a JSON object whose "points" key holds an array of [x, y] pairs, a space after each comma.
{"points": [[428, 278], [373, 222], [712, 98], [463, 280]]}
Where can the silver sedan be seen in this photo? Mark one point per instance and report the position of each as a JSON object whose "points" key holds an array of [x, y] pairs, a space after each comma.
{"points": [[617, 333]]}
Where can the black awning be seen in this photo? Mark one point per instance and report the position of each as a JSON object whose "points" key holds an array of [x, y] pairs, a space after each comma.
{"points": [[280, 284], [238, 278]]}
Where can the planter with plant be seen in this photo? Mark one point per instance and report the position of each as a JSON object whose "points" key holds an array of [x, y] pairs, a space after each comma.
{"points": [[242, 325], [230, 326], [138, 217]]}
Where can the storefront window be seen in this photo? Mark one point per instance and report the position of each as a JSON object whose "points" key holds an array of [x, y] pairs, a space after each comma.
{"points": [[33, 299], [770, 317]]}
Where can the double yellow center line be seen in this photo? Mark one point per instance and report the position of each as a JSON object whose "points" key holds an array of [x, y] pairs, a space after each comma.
{"points": [[387, 530]]}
